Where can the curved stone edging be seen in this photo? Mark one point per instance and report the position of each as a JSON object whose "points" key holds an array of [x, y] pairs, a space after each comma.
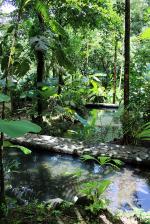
{"points": [[128, 154]]}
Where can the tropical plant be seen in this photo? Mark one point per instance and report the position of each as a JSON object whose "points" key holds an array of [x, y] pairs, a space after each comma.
{"points": [[144, 132], [94, 190], [103, 161]]}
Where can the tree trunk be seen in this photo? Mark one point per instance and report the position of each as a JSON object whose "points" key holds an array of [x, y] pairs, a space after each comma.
{"points": [[40, 72], [126, 71], [40, 76], [115, 72]]}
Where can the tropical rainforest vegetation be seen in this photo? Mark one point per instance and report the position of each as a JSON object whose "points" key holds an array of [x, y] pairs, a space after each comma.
{"points": [[57, 57]]}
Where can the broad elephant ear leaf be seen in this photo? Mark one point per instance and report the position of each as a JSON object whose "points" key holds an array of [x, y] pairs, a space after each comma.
{"points": [[18, 128]]}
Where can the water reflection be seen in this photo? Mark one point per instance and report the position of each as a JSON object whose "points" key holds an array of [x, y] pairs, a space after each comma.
{"points": [[43, 176]]}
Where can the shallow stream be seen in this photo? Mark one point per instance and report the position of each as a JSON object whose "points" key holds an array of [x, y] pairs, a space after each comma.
{"points": [[43, 176]]}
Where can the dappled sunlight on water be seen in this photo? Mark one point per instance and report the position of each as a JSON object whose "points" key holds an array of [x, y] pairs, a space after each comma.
{"points": [[129, 190]]}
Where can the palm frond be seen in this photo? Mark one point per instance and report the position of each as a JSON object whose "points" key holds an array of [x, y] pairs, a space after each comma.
{"points": [[144, 133], [42, 8]]}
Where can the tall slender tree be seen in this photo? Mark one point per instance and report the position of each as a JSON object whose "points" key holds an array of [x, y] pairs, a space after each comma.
{"points": [[126, 70], [40, 70]]}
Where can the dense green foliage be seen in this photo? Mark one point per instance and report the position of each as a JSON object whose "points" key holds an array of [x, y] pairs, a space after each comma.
{"points": [[56, 57]]}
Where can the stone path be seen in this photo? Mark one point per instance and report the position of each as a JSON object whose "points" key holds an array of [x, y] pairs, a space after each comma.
{"points": [[128, 154]]}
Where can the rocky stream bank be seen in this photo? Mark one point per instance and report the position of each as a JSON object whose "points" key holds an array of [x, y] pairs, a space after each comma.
{"points": [[129, 154]]}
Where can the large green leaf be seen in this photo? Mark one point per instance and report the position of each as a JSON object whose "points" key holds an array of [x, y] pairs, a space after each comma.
{"points": [[18, 128], [25, 150], [4, 98]]}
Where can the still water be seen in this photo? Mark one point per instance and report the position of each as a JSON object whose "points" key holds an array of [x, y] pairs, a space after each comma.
{"points": [[43, 176]]}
